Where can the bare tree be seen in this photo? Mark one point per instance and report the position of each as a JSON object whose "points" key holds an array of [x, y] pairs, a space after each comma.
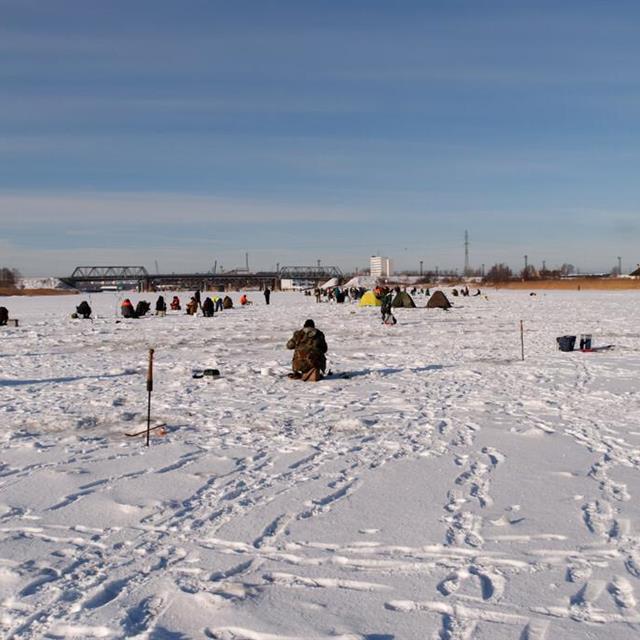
{"points": [[499, 273], [529, 273], [9, 277]]}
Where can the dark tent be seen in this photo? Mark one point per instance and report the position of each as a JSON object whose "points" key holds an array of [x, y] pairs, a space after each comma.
{"points": [[227, 303], [438, 301], [403, 299]]}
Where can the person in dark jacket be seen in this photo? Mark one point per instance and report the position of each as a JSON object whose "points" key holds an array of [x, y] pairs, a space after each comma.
{"points": [[84, 310], [127, 310], [4, 316], [267, 294], [385, 309], [207, 308], [142, 308], [309, 361], [161, 306], [196, 295]]}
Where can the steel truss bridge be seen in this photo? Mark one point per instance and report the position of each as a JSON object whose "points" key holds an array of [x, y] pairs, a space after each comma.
{"points": [[317, 274], [93, 276]]}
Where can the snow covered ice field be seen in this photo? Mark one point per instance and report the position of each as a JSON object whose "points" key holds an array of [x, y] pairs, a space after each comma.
{"points": [[446, 490]]}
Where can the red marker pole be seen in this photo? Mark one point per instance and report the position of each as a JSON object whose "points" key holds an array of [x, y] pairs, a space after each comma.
{"points": [[149, 390]]}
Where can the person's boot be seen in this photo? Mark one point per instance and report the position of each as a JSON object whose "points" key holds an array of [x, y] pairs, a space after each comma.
{"points": [[313, 375]]}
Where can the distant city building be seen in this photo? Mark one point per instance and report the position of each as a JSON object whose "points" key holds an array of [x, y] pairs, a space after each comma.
{"points": [[380, 267]]}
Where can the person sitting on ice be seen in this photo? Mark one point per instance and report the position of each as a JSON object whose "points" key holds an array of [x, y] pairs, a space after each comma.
{"points": [[161, 306], [244, 300], [309, 361], [127, 310], [175, 304], [207, 307], [141, 308], [4, 316], [192, 306], [84, 310]]}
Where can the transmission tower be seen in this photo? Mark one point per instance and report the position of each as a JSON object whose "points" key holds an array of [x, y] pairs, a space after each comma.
{"points": [[466, 253]]}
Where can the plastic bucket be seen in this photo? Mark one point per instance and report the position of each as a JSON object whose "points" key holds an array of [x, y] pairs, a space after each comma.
{"points": [[585, 341], [566, 343]]}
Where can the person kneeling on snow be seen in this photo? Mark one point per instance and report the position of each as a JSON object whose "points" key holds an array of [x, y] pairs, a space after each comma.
{"points": [[207, 308], [84, 310], [127, 310], [309, 361]]}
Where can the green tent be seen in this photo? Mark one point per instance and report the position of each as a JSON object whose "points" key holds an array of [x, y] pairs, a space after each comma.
{"points": [[403, 299]]}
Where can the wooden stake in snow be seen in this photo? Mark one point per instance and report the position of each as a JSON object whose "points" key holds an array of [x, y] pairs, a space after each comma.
{"points": [[522, 338], [149, 390]]}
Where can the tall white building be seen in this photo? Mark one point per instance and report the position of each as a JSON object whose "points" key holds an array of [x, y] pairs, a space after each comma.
{"points": [[380, 267]]}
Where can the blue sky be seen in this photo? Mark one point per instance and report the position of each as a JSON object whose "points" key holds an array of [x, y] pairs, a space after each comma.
{"points": [[192, 131]]}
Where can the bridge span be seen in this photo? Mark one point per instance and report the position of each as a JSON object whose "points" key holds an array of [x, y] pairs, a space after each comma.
{"points": [[86, 277]]}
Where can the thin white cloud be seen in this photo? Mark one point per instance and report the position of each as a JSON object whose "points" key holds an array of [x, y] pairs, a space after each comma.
{"points": [[19, 209]]}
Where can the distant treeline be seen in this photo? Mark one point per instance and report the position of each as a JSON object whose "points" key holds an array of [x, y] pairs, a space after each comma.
{"points": [[9, 277]]}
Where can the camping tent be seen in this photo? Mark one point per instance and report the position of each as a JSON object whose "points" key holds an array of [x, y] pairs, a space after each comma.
{"points": [[403, 299], [438, 301], [329, 284], [369, 299], [361, 281]]}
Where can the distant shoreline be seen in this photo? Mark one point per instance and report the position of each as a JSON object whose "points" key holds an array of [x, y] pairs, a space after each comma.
{"points": [[38, 292], [574, 284]]}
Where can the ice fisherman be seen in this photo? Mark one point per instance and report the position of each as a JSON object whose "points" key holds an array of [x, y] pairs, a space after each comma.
{"points": [[207, 307], [267, 294], [84, 310], [192, 306], [4, 316], [161, 306], [309, 361], [127, 310]]}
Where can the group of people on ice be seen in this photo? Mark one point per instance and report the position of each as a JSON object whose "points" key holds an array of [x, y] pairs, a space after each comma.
{"points": [[209, 306]]}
